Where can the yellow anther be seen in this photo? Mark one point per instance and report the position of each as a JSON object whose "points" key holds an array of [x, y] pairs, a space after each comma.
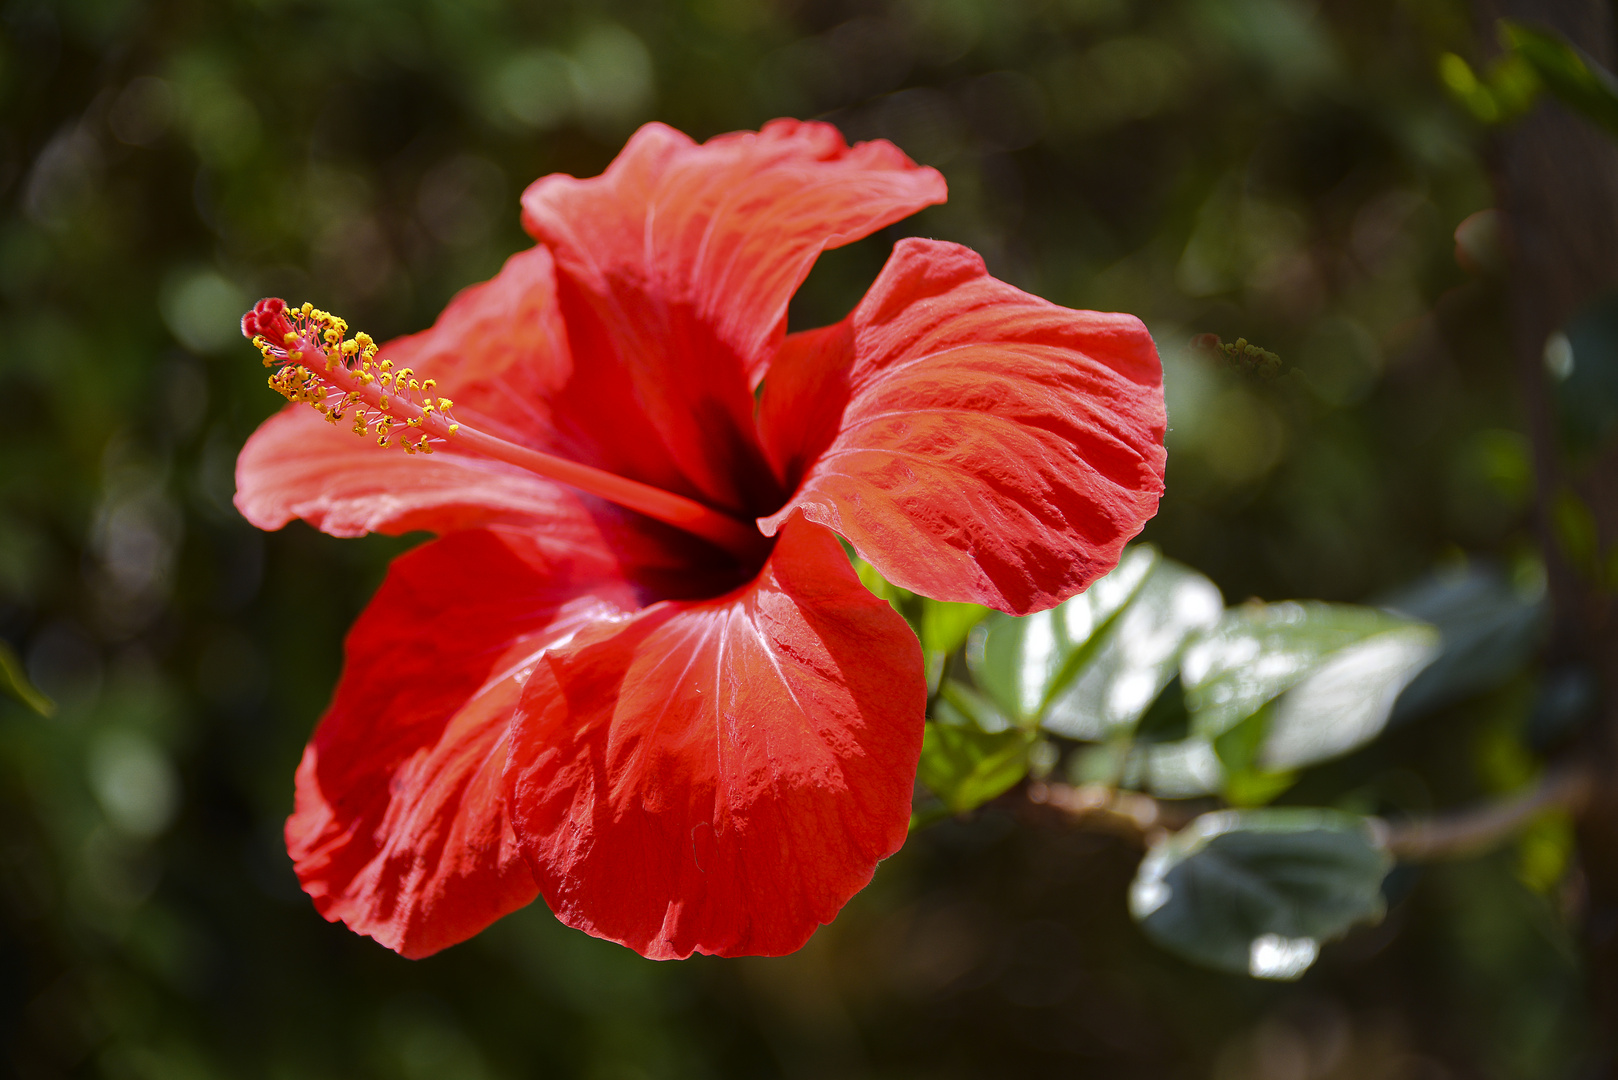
{"points": [[306, 309], [414, 385], [382, 441], [445, 403], [384, 401], [453, 428], [387, 365]]}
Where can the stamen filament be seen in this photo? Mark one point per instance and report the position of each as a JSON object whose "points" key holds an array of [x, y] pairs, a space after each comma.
{"points": [[737, 537], [337, 376]]}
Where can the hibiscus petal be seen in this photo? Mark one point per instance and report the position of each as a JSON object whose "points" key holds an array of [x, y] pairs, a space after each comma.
{"points": [[296, 465], [972, 442], [722, 776], [676, 267], [400, 827], [499, 351]]}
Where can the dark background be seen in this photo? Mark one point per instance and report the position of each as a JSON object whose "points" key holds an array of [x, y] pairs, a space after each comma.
{"points": [[1286, 171]]}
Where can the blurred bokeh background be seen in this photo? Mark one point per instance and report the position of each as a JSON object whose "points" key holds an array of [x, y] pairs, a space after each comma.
{"points": [[1282, 170]]}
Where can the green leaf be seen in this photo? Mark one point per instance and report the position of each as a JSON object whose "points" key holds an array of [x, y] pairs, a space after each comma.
{"points": [[1136, 656], [879, 586], [966, 767], [959, 705], [1489, 629], [945, 625], [1259, 651], [1183, 769], [1245, 780], [1345, 702], [1021, 661], [1579, 82], [1091, 667], [1256, 892], [1464, 85], [14, 681]]}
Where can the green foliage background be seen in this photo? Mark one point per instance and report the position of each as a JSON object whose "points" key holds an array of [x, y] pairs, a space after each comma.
{"points": [[1284, 171]]}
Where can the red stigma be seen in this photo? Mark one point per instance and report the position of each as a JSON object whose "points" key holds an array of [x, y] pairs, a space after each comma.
{"points": [[267, 318]]}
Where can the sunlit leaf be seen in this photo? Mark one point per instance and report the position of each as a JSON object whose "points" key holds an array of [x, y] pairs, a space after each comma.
{"points": [[14, 682], [966, 767], [1257, 891], [1345, 702], [1183, 769], [1020, 662], [1259, 651], [944, 626], [1136, 656], [1488, 630], [1579, 82]]}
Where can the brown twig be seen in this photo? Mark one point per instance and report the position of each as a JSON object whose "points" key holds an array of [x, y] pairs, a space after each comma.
{"points": [[1459, 834], [1482, 828], [1130, 814]]}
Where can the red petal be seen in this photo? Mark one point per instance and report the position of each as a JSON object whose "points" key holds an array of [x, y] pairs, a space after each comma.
{"points": [[296, 465], [500, 352], [400, 827], [722, 776], [971, 441], [675, 271]]}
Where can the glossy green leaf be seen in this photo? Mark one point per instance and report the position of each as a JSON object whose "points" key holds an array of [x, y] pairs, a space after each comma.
{"points": [[966, 767], [1577, 81], [1259, 651], [1256, 892], [1488, 629], [1136, 656], [1345, 702], [1183, 769], [1020, 662], [14, 682]]}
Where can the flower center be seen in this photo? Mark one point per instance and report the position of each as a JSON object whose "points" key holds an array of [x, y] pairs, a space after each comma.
{"points": [[342, 378]]}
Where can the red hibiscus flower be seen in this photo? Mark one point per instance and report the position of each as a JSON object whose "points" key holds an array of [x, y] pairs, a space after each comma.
{"points": [[636, 674]]}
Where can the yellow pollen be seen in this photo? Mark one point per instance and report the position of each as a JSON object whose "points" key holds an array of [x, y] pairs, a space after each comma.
{"points": [[351, 379]]}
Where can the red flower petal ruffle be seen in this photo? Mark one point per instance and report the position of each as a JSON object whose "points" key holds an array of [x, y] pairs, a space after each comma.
{"points": [[722, 776], [400, 828], [675, 269], [971, 441]]}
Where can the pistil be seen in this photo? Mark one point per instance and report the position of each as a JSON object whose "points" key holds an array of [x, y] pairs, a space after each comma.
{"points": [[343, 379]]}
